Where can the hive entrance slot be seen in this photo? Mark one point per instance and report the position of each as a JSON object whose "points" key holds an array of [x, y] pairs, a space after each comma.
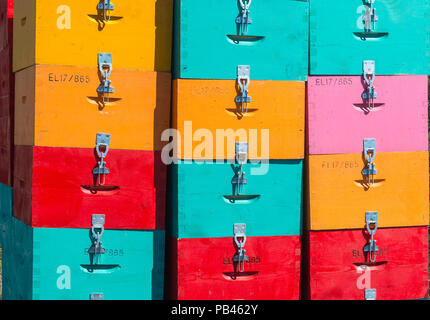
{"points": [[241, 198], [99, 101], [236, 39], [240, 276], [370, 264], [365, 107], [370, 35], [101, 22], [364, 183], [99, 268], [102, 190]]}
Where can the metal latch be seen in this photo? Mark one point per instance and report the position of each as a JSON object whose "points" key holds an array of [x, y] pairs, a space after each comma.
{"points": [[369, 76], [370, 294], [239, 230], [96, 296], [102, 148], [370, 18], [243, 19], [369, 146], [243, 79], [241, 159], [371, 226], [105, 68], [107, 7], [97, 230]]}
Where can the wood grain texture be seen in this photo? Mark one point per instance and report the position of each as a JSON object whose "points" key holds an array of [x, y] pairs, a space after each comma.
{"points": [[24, 36], [60, 107], [5, 151], [6, 23], [339, 195], [6, 75], [6, 115], [277, 106], [205, 270], [25, 91], [339, 119], [51, 180], [400, 271], [6, 195], [42, 35]]}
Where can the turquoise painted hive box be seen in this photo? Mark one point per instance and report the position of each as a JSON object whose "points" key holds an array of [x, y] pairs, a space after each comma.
{"points": [[393, 33], [55, 264], [211, 38], [6, 210], [205, 202]]}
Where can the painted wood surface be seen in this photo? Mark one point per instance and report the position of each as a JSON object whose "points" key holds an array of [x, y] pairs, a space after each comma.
{"points": [[200, 206], [17, 260], [60, 107], [6, 115], [399, 44], [6, 75], [339, 119], [207, 45], [6, 195], [72, 32], [278, 107], [6, 23], [54, 264], [5, 148], [53, 180], [203, 269], [340, 270], [339, 194]]}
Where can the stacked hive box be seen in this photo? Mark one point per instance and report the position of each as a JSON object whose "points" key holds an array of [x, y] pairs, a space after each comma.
{"points": [[92, 98], [6, 112], [6, 91], [368, 150], [223, 130]]}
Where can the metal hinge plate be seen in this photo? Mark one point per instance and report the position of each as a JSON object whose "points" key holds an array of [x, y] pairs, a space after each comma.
{"points": [[96, 296], [96, 250], [105, 62], [98, 170], [370, 294], [242, 152], [103, 138], [369, 67], [98, 220], [369, 145], [239, 229], [246, 99], [244, 72], [371, 217], [105, 5], [242, 147], [105, 59]]}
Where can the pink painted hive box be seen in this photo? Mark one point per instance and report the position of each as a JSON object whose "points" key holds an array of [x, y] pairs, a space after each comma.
{"points": [[339, 118]]}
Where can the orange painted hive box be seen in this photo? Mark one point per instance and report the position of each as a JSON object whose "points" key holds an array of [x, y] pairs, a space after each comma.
{"points": [[60, 107], [340, 194], [276, 107]]}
